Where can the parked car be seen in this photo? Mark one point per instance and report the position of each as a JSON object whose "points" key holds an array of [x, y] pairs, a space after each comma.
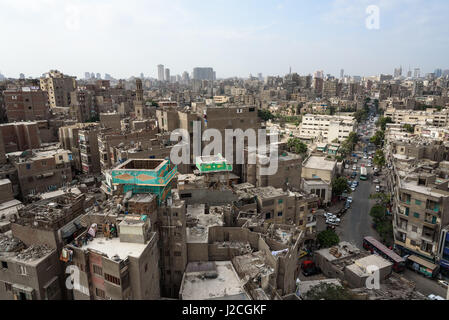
{"points": [[377, 188], [443, 283], [435, 297], [376, 181], [349, 200], [329, 215], [354, 168]]}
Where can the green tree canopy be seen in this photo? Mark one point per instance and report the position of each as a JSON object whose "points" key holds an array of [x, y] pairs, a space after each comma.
{"points": [[328, 238], [295, 145], [378, 212], [265, 114], [340, 185], [379, 158], [409, 128], [378, 138], [383, 121], [381, 198]]}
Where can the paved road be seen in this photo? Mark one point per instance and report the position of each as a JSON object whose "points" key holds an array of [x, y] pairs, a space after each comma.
{"points": [[356, 224]]}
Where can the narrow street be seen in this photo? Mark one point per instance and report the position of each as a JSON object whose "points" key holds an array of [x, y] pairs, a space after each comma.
{"points": [[357, 222]]}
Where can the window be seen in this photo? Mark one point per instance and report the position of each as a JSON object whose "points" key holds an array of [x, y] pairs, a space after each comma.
{"points": [[8, 286], [28, 166], [252, 109], [416, 215], [186, 195], [407, 211], [112, 279], [97, 270], [22, 270], [418, 202], [146, 267], [280, 201], [4, 265], [177, 253], [268, 215], [100, 293], [280, 214], [414, 228]]}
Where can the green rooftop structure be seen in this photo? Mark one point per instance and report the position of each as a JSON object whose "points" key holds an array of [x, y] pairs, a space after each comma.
{"points": [[213, 164]]}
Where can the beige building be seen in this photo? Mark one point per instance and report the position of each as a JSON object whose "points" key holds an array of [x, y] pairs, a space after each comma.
{"points": [[317, 175], [429, 117], [58, 87]]}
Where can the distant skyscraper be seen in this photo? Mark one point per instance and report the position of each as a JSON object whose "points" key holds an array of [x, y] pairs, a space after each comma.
{"points": [[438, 73], [98, 76], [319, 74], [185, 76], [446, 73], [92, 75], [342, 73], [22, 76], [260, 77], [203, 74], [142, 75], [417, 73], [167, 75], [86, 75], [398, 72], [160, 72]]}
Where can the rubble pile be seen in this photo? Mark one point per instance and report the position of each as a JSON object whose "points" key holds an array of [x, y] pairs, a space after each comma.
{"points": [[8, 244], [34, 252]]}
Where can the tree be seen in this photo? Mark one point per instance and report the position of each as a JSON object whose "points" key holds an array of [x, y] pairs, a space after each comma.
{"points": [[378, 212], [328, 291], [361, 115], [378, 138], [340, 186], [265, 115], [382, 122], [328, 238], [381, 198], [295, 145], [353, 139], [379, 158], [409, 128]]}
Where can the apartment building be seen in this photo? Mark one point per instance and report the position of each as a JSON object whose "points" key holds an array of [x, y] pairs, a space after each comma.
{"points": [[28, 273], [42, 170], [118, 264], [83, 105], [109, 140], [20, 136], [89, 151], [58, 87], [26, 104], [327, 128], [422, 210], [317, 175], [429, 117]]}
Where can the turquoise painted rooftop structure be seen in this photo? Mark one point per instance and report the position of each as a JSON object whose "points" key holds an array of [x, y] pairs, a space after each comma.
{"points": [[145, 176]]}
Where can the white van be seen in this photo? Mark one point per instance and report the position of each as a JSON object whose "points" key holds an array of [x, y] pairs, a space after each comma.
{"points": [[377, 188]]}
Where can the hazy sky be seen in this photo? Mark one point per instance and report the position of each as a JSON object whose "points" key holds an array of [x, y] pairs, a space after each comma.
{"points": [[127, 37]]}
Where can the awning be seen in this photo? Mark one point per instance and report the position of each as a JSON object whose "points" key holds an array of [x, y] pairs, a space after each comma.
{"points": [[422, 262]]}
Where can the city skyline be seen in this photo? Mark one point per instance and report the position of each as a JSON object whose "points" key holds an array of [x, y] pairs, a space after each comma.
{"points": [[329, 36]]}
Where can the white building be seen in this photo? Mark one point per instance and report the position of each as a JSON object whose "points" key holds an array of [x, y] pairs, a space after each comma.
{"points": [[327, 127]]}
